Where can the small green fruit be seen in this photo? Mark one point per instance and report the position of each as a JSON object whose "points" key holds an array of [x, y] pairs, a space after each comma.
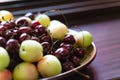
{"points": [[4, 59], [84, 38], [6, 15], [57, 29], [25, 71], [49, 65], [43, 19], [31, 51]]}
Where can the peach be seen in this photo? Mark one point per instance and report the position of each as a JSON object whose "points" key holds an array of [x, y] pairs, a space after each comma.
{"points": [[5, 75]]}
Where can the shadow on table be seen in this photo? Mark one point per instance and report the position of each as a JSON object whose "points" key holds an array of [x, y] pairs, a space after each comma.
{"points": [[87, 71]]}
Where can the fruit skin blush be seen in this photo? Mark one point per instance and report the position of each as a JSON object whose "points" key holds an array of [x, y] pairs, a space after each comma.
{"points": [[35, 47]]}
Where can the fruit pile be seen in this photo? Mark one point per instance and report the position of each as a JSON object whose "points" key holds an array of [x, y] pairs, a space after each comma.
{"points": [[33, 46]]}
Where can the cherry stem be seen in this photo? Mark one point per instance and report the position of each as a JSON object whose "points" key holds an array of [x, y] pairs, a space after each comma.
{"points": [[3, 18], [82, 74]]}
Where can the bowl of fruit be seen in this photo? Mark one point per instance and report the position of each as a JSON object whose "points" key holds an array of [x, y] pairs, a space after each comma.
{"points": [[35, 47]]}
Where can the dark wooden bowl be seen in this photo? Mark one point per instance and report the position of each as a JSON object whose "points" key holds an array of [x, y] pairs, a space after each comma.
{"points": [[89, 57]]}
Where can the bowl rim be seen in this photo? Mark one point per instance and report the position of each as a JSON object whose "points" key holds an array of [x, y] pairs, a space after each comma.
{"points": [[94, 52]]}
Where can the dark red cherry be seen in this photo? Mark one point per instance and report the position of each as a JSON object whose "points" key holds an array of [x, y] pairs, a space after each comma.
{"points": [[46, 46], [22, 23], [66, 66], [2, 29], [69, 39], [34, 24], [12, 46], [8, 34], [16, 34], [62, 54], [30, 15], [80, 52], [67, 46], [35, 38], [2, 41], [9, 25], [56, 44], [40, 30], [46, 38], [27, 30], [75, 60], [24, 36]]}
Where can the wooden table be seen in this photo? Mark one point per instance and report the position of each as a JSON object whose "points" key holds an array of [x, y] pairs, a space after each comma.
{"points": [[106, 65]]}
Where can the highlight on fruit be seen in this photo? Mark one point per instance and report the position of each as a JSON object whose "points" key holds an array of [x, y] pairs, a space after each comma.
{"points": [[39, 46]]}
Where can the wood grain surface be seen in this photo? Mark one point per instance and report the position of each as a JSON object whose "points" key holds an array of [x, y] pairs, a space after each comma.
{"points": [[106, 65]]}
